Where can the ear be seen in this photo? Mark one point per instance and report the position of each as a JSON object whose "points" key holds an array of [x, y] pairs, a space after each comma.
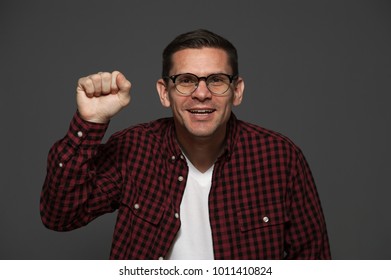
{"points": [[238, 92], [163, 93]]}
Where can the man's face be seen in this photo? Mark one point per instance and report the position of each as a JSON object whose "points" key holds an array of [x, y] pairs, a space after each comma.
{"points": [[200, 114]]}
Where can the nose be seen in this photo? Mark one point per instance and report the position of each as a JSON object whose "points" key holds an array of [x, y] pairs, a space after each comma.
{"points": [[202, 92]]}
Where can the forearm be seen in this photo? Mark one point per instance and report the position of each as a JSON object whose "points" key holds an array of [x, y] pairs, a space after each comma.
{"points": [[71, 196], [307, 234]]}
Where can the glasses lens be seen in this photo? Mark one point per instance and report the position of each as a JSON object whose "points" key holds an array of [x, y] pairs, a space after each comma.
{"points": [[186, 83], [218, 83]]}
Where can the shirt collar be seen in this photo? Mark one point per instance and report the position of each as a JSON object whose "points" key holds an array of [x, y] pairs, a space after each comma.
{"points": [[232, 135]]}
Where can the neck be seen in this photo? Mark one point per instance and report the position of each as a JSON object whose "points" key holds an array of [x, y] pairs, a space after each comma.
{"points": [[202, 151]]}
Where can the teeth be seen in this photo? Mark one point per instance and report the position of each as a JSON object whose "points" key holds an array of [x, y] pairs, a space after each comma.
{"points": [[201, 111]]}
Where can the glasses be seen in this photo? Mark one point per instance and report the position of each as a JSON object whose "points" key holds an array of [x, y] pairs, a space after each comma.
{"points": [[187, 83]]}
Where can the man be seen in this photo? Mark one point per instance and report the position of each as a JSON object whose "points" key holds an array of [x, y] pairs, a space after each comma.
{"points": [[200, 185]]}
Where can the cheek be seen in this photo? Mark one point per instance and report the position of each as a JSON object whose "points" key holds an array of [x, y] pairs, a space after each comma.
{"points": [[171, 101], [229, 103], [176, 105]]}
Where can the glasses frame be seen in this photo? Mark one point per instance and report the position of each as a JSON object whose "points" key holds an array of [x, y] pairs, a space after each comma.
{"points": [[230, 77]]}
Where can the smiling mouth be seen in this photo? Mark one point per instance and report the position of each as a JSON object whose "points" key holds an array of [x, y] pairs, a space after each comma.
{"points": [[201, 112]]}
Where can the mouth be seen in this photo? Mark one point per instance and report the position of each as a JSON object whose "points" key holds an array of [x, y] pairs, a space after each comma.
{"points": [[201, 111]]}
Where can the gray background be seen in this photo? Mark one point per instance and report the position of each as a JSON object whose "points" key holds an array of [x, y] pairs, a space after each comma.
{"points": [[316, 71]]}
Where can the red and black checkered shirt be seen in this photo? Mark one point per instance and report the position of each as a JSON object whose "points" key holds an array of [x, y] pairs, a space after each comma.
{"points": [[263, 202]]}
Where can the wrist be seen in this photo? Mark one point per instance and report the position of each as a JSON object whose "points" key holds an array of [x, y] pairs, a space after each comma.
{"points": [[93, 119]]}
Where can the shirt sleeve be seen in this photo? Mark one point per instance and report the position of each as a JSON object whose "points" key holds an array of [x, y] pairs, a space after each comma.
{"points": [[82, 181], [307, 234]]}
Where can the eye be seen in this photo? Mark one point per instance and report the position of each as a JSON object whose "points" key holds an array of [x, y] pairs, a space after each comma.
{"points": [[186, 79], [218, 79]]}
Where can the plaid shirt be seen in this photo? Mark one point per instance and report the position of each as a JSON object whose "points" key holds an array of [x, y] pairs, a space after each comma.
{"points": [[263, 202]]}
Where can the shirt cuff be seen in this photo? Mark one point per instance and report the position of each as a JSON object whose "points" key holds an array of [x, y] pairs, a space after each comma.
{"points": [[84, 132]]}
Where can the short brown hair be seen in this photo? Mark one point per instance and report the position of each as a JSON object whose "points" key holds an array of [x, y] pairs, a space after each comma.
{"points": [[198, 39]]}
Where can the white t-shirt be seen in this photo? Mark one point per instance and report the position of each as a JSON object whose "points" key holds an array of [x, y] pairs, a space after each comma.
{"points": [[194, 239]]}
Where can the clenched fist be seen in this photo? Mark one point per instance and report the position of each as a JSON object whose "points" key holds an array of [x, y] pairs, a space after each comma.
{"points": [[100, 96]]}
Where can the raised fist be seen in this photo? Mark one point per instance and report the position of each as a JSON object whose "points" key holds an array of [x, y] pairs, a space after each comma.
{"points": [[101, 96]]}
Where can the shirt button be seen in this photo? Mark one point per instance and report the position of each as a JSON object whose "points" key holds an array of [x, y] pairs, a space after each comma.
{"points": [[161, 258], [173, 158], [136, 206], [60, 164], [180, 178], [266, 219], [80, 134], [181, 157], [177, 215]]}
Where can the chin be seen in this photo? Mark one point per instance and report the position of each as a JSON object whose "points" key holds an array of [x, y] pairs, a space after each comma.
{"points": [[202, 131]]}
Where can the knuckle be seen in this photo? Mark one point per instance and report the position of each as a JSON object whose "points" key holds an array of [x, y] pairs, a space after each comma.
{"points": [[87, 85], [81, 80], [106, 75], [95, 77]]}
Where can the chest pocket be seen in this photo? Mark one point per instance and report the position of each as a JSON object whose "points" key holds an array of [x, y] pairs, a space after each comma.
{"points": [[261, 216], [146, 208]]}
